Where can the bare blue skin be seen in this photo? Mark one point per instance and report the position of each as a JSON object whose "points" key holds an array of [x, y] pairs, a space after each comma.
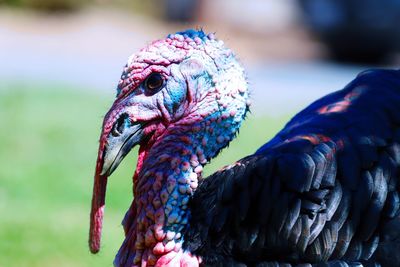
{"points": [[180, 126]]}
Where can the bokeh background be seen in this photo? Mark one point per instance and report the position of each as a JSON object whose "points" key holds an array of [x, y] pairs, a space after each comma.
{"points": [[60, 61]]}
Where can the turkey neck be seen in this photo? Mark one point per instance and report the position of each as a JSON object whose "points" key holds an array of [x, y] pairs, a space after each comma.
{"points": [[167, 175]]}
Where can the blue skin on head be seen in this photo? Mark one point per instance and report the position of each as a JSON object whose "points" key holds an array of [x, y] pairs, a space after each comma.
{"points": [[192, 33], [195, 114]]}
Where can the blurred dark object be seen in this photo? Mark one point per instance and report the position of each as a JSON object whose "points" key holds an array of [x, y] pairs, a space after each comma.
{"points": [[355, 30], [47, 5], [181, 10]]}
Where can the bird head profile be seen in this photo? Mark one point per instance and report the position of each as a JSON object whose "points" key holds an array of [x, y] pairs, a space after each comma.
{"points": [[183, 97]]}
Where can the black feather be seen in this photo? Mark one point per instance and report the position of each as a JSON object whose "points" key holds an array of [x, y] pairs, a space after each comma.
{"points": [[372, 215], [324, 191], [297, 171], [349, 173]]}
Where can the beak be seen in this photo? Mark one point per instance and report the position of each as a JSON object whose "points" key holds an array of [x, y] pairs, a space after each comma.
{"points": [[115, 144], [119, 146]]}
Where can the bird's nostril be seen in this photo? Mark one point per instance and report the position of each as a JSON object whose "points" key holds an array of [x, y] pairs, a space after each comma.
{"points": [[119, 125]]}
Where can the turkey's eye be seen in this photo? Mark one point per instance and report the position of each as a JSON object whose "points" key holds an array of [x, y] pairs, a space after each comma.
{"points": [[154, 82]]}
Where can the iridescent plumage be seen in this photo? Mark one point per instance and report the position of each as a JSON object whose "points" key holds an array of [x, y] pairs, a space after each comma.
{"points": [[324, 190]]}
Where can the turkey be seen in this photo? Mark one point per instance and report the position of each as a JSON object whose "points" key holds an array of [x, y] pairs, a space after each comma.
{"points": [[324, 191]]}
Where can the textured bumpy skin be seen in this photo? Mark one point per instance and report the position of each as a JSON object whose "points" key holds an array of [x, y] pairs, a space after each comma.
{"points": [[324, 192], [195, 114], [325, 189]]}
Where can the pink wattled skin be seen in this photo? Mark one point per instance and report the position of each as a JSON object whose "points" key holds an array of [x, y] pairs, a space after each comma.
{"points": [[186, 123]]}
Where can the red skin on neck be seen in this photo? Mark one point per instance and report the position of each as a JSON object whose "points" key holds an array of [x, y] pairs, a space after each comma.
{"points": [[147, 225], [131, 213], [172, 258]]}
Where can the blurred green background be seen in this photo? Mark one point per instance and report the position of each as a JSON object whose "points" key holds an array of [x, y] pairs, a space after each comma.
{"points": [[60, 61]]}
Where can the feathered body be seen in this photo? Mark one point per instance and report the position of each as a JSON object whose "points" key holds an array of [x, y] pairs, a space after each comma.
{"points": [[325, 190]]}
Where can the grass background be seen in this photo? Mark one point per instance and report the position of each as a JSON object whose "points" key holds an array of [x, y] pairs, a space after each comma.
{"points": [[48, 148]]}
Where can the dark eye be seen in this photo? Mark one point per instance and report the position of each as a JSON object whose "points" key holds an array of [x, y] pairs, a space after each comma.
{"points": [[154, 82]]}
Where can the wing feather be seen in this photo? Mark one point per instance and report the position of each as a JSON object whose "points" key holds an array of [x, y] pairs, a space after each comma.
{"points": [[321, 190]]}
